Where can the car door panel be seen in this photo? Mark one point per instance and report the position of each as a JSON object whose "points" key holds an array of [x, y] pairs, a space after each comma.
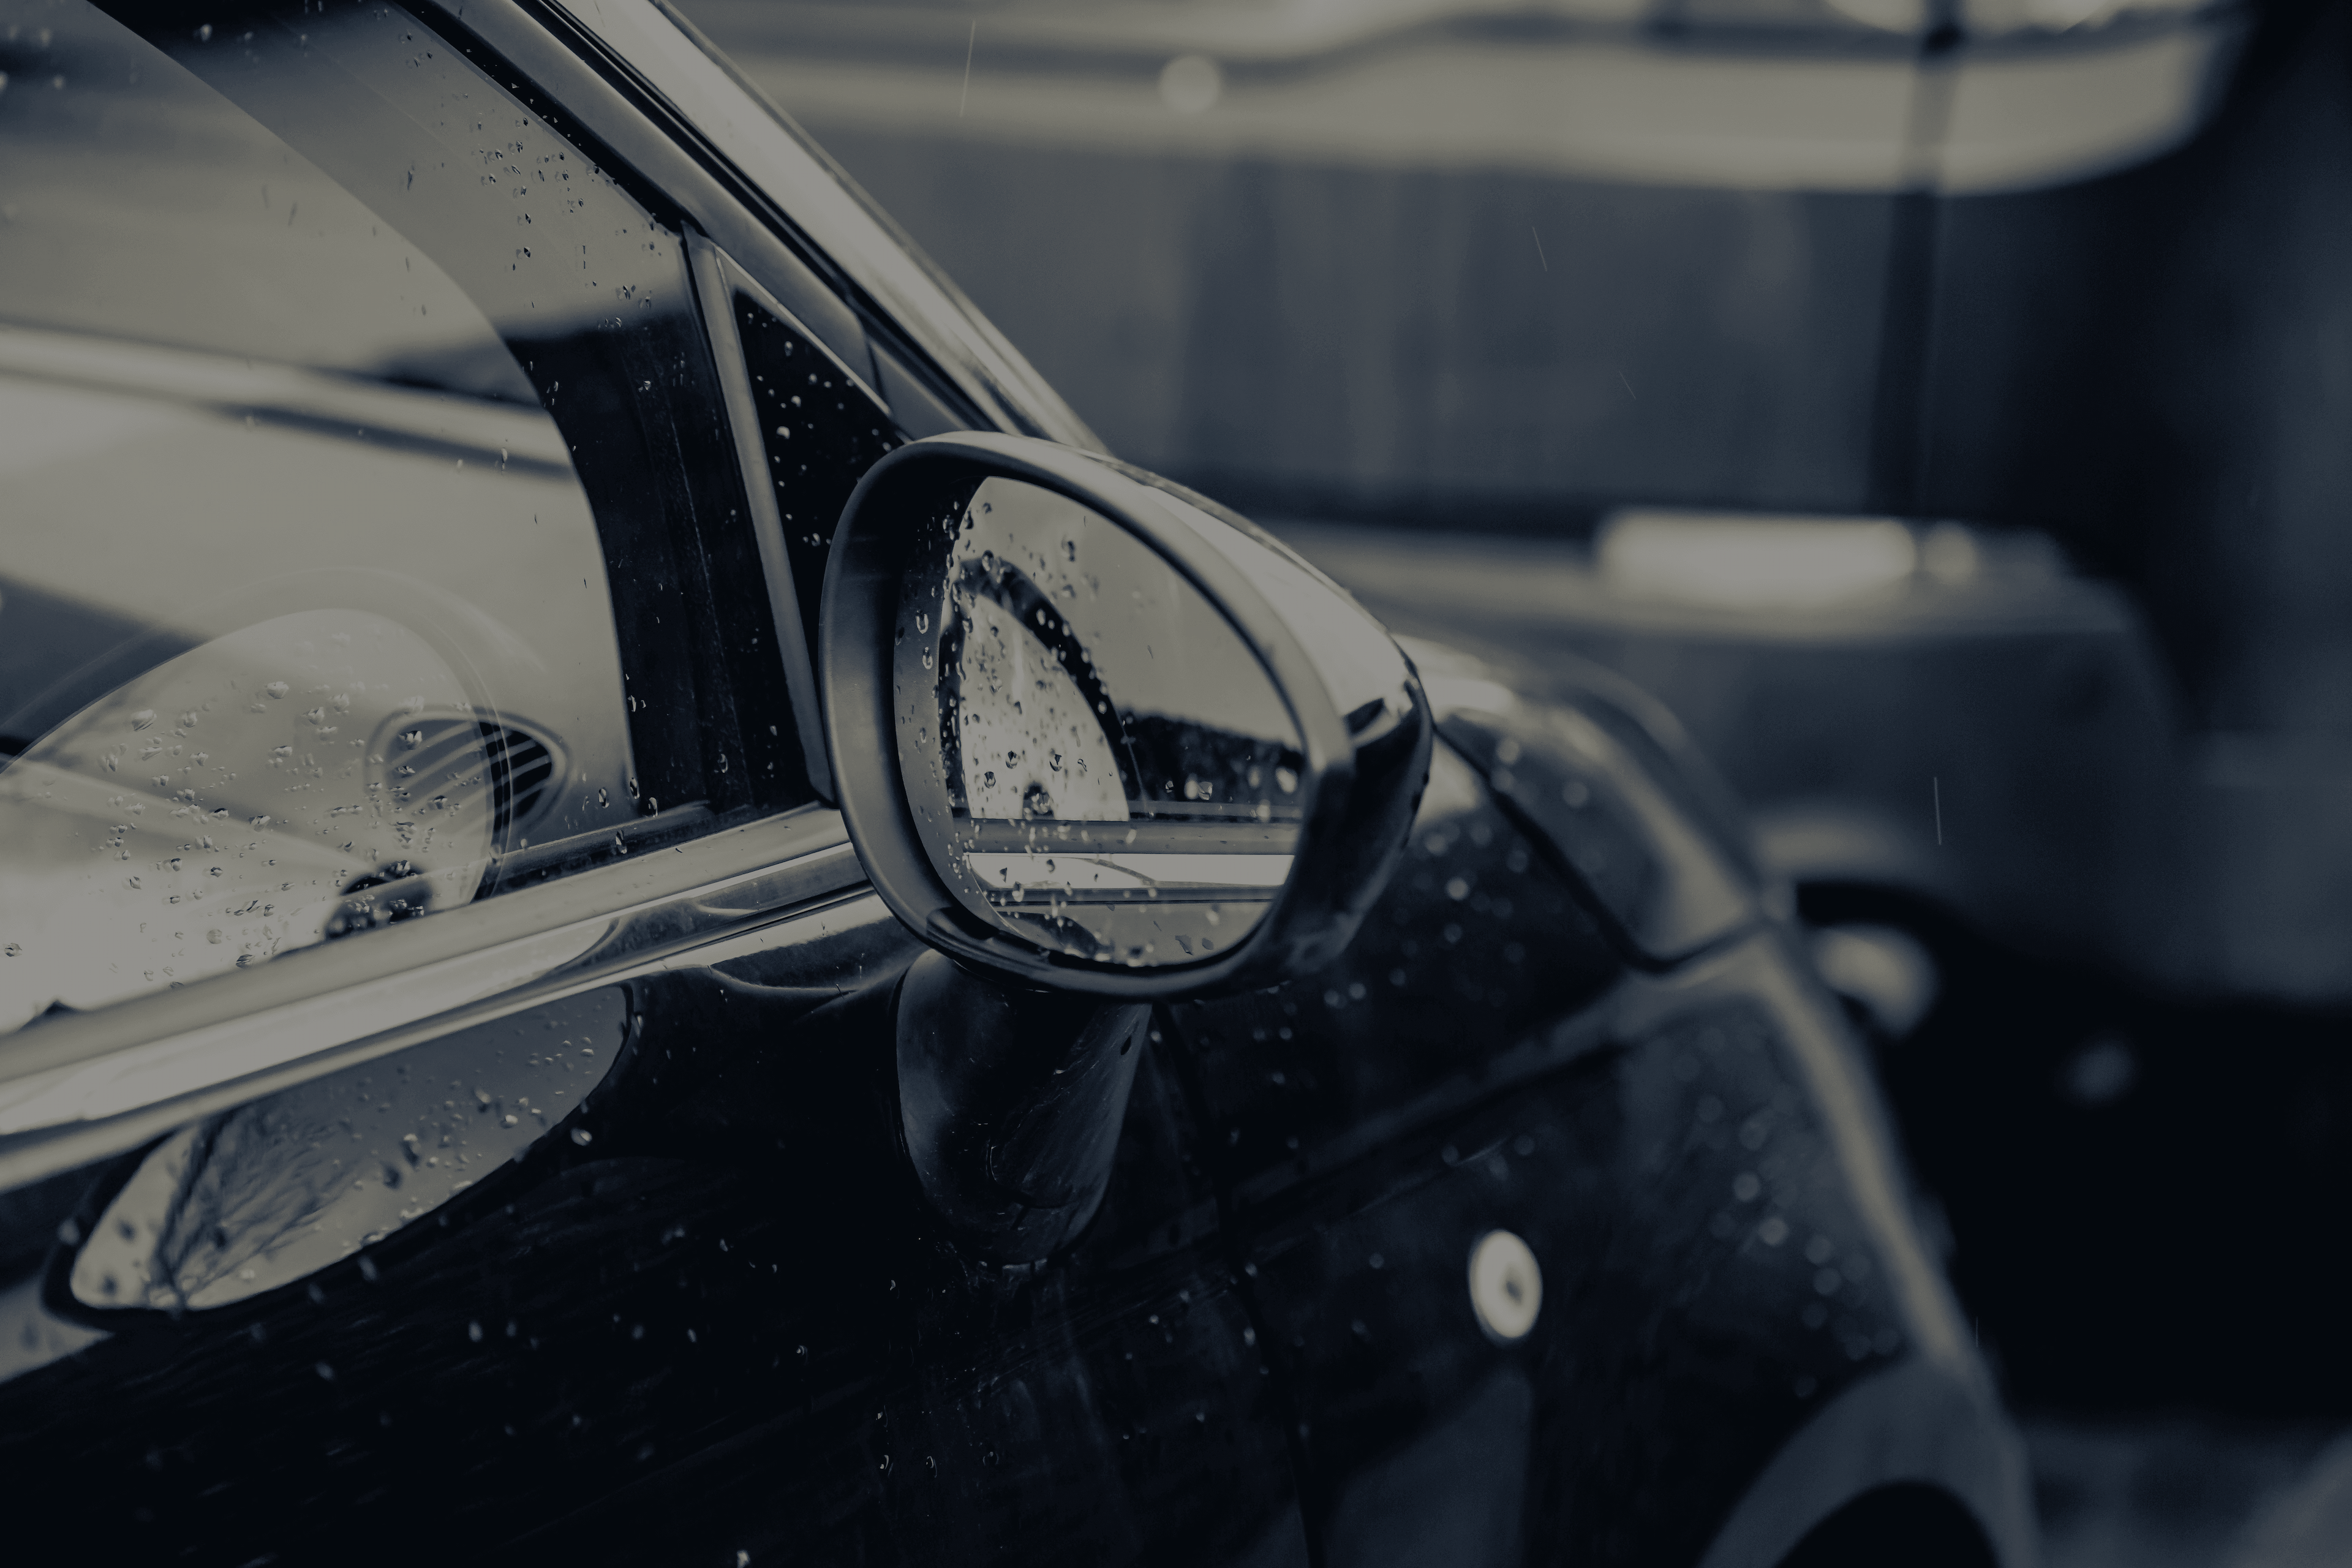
{"points": [[579, 1222], [1660, 1145], [946, 1412], [708, 1275]]}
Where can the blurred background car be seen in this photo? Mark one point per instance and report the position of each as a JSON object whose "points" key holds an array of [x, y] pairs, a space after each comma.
{"points": [[1936, 405]]}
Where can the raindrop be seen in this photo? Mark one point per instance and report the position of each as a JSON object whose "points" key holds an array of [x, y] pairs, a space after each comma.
{"points": [[2102, 1072], [1191, 84]]}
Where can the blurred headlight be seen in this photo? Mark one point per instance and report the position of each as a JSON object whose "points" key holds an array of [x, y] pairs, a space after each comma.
{"points": [[1732, 561]]}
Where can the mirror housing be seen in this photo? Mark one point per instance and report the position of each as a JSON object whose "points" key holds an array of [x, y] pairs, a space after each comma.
{"points": [[1360, 724]]}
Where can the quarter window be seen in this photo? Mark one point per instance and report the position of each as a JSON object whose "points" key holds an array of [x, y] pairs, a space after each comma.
{"points": [[819, 429]]}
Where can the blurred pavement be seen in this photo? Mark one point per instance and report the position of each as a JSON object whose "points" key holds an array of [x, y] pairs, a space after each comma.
{"points": [[2185, 1493]]}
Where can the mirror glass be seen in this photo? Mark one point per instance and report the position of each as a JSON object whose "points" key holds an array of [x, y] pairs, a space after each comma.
{"points": [[1097, 761]]}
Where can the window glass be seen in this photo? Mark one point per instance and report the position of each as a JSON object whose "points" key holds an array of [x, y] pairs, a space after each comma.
{"points": [[821, 431], [371, 541]]}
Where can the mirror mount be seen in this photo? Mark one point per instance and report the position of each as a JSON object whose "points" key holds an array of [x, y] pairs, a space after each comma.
{"points": [[1099, 742], [1009, 1100]]}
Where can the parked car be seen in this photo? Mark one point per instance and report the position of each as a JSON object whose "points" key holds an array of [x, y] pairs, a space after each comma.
{"points": [[949, 1000], [1935, 407]]}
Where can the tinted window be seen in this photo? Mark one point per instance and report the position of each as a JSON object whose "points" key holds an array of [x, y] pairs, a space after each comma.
{"points": [[821, 431], [372, 542]]}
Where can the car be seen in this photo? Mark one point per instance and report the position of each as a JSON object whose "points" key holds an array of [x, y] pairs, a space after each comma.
{"points": [[951, 1001]]}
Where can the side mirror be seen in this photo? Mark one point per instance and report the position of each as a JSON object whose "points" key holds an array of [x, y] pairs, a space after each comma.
{"points": [[1095, 734], [1100, 743]]}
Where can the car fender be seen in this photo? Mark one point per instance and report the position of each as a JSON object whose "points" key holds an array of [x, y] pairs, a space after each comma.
{"points": [[1921, 1422]]}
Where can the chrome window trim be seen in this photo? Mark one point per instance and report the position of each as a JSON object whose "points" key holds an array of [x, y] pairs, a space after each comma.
{"points": [[80, 1088]]}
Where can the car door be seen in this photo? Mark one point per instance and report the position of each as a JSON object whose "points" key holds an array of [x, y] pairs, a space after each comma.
{"points": [[443, 1102]]}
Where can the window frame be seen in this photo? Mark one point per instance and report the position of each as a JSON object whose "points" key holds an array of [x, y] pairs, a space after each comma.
{"points": [[717, 279], [74, 1090]]}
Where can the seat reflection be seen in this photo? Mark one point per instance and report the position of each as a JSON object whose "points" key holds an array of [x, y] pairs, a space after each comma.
{"points": [[219, 808]]}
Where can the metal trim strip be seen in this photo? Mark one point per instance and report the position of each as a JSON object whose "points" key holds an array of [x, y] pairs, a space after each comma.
{"points": [[103, 1082]]}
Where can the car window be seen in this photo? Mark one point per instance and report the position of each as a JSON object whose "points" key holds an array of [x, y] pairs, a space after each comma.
{"points": [[372, 539]]}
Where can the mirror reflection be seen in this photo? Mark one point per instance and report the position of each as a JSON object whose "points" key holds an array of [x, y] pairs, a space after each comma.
{"points": [[1097, 761]]}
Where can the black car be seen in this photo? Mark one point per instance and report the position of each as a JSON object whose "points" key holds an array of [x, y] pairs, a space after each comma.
{"points": [[951, 1001]]}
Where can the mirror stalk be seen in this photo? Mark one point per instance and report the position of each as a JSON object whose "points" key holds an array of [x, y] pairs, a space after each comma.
{"points": [[1010, 1101]]}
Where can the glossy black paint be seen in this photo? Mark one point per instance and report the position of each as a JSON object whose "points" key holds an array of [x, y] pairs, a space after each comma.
{"points": [[730, 1321], [1453, 1073], [711, 1315], [735, 1272]]}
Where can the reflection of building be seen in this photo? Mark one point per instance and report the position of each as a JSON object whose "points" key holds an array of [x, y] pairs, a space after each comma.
{"points": [[1437, 268], [1516, 261]]}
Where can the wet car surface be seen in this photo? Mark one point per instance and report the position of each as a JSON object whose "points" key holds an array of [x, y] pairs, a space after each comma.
{"points": [[508, 1136]]}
